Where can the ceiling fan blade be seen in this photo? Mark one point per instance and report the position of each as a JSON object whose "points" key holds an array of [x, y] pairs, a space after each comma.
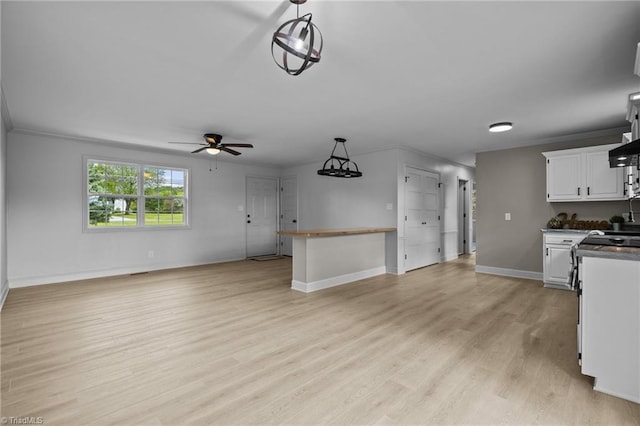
{"points": [[200, 149], [187, 143], [229, 150], [239, 145]]}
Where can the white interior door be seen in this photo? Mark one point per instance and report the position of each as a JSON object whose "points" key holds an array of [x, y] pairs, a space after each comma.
{"points": [[262, 216], [422, 219], [288, 212]]}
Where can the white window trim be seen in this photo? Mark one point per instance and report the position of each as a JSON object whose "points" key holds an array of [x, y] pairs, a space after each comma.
{"points": [[140, 196]]}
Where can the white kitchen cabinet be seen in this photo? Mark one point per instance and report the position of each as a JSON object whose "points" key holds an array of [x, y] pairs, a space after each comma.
{"points": [[583, 174], [609, 327], [557, 258]]}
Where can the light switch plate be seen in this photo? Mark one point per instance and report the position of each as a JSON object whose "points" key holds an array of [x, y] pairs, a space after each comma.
{"points": [[507, 216], [389, 206]]}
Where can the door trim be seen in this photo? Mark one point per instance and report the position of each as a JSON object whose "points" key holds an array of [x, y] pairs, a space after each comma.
{"points": [[281, 210]]}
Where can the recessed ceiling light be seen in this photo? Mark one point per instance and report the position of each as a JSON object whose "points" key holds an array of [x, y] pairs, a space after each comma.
{"points": [[500, 127]]}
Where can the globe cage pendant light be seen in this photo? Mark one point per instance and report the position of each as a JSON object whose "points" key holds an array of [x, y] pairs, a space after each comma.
{"points": [[340, 166], [300, 42]]}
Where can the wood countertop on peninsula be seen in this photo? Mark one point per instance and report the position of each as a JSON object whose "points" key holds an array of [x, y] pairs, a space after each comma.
{"points": [[335, 232]]}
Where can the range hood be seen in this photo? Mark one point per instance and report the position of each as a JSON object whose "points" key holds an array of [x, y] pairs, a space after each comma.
{"points": [[625, 155]]}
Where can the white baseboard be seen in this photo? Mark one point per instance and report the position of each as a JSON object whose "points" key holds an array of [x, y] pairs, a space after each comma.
{"points": [[393, 270], [335, 281], [3, 296], [449, 258], [505, 272], [103, 273]]}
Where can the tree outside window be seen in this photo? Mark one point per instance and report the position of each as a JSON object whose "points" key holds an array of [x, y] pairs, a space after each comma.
{"points": [[133, 195]]}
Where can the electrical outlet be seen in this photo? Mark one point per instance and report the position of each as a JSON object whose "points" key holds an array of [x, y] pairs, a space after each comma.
{"points": [[507, 216], [389, 206], [150, 254]]}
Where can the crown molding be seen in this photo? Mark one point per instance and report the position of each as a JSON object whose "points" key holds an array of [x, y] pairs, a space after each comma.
{"points": [[135, 147]]}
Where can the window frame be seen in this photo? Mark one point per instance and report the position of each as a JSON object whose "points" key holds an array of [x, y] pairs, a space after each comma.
{"points": [[140, 197]]}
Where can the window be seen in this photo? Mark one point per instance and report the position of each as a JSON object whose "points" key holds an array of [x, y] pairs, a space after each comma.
{"points": [[125, 195]]}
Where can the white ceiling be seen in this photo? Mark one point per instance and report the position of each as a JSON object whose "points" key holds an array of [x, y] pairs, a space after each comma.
{"points": [[427, 75]]}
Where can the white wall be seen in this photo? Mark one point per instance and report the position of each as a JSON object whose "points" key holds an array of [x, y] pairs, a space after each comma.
{"points": [[4, 284], [45, 207], [4, 123], [449, 175], [327, 202]]}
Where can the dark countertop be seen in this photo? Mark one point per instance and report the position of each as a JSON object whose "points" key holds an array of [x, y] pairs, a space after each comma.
{"points": [[609, 252], [573, 231]]}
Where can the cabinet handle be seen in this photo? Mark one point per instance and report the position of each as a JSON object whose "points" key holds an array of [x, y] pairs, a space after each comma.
{"points": [[588, 190], [547, 251], [578, 190]]}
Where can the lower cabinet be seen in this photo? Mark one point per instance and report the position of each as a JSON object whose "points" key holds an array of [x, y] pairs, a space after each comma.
{"points": [[557, 258], [609, 326]]}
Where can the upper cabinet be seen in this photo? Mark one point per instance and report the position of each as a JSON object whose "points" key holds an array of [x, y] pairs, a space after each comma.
{"points": [[583, 174]]}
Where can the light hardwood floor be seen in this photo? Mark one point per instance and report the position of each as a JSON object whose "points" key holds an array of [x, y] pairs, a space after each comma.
{"points": [[231, 343]]}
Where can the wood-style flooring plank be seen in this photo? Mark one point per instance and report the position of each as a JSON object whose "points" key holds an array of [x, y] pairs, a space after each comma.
{"points": [[231, 343]]}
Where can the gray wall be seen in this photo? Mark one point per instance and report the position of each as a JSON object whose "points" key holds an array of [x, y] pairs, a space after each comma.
{"points": [[45, 205], [514, 180]]}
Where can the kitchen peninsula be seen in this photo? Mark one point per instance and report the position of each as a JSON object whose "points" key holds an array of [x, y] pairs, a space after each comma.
{"points": [[327, 258]]}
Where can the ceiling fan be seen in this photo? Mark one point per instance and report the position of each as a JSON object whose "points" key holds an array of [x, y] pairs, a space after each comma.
{"points": [[214, 145]]}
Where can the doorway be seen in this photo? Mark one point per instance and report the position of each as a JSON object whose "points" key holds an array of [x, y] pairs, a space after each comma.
{"points": [[288, 212], [463, 217], [262, 216], [422, 218]]}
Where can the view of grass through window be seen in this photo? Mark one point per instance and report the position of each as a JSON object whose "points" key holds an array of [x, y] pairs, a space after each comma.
{"points": [[128, 195]]}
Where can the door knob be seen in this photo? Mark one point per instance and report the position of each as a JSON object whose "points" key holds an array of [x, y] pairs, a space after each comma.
{"points": [[248, 221], [294, 221]]}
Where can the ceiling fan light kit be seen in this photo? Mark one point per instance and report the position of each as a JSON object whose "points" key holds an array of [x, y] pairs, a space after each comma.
{"points": [[214, 145], [297, 44], [337, 166]]}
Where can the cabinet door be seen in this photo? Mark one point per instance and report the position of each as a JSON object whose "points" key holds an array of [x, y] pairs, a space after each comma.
{"points": [[603, 182], [557, 264], [564, 178], [611, 325]]}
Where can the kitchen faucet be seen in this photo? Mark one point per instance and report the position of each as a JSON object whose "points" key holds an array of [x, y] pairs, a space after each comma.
{"points": [[631, 209]]}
